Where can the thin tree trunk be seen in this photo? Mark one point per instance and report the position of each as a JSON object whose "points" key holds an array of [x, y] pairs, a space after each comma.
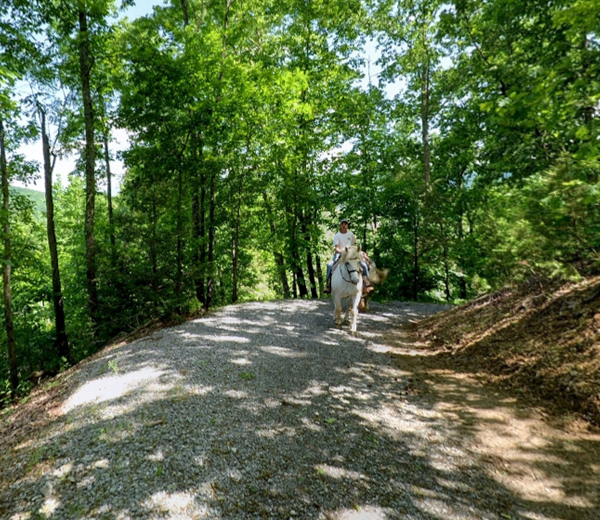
{"points": [[153, 252], [279, 260], [425, 126], [303, 292], [294, 285], [111, 220], [8, 314], [415, 257], [200, 287], [85, 63], [236, 242], [445, 257], [179, 287], [211, 241], [320, 275], [425, 117], [62, 342], [462, 282], [309, 263], [184, 9], [311, 275], [197, 186], [196, 237]]}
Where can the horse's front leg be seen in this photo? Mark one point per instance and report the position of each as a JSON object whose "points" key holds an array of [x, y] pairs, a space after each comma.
{"points": [[337, 311], [353, 309], [347, 315]]}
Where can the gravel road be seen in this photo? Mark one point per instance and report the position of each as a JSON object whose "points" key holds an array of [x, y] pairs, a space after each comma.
{"points": [[265, 410]]}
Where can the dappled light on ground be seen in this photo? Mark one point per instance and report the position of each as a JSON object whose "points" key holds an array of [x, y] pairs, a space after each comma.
{"points": [[263, 410]]}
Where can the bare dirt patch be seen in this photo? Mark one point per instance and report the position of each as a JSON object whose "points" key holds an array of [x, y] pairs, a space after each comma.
{"points": [[541, 339]]}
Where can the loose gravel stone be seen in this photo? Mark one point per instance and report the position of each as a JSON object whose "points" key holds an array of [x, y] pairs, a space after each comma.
{"points": [[259, 410]]}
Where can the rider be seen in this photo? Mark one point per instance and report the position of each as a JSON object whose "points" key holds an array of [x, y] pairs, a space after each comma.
{"points": [[342, 239]]}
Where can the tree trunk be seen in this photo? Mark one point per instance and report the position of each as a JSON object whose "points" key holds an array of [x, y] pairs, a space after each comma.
{"points": [[309, 263], [62, 342], [179, 286], [211, 240], [320, 275], [200, 289], [153, 252], [425, 121], [85, 63], [445, 257], [196, 238], [279, 260], [184, 9], [311, 275], [296, 263], [236, 242], [8, 315], [197, 186], [111, 220], [416, 257], [462, 282], [294, 285]]}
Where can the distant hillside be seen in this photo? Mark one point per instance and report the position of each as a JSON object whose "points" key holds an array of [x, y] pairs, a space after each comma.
{"points": [[37, 196]]}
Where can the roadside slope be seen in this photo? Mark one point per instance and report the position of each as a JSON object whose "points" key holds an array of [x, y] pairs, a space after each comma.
{"points": [[541, 338]]}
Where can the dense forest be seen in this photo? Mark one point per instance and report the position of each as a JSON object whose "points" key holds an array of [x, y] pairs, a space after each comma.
{"points": [[255, 125]]}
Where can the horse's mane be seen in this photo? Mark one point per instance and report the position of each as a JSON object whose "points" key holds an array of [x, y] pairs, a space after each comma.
{"points": [[350, 253]]}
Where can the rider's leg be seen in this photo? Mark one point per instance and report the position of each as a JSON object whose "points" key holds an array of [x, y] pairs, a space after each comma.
{"points": [[365, 269], [329, 267], [366, 282]]}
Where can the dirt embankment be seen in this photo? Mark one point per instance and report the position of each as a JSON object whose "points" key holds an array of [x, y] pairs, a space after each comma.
{"points": [[541, 338]]}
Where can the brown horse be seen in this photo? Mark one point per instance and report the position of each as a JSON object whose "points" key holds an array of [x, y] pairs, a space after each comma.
{"points": [[377, 276]]}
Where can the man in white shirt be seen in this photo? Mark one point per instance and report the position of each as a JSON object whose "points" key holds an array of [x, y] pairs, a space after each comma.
{"points": [[344, 238]]}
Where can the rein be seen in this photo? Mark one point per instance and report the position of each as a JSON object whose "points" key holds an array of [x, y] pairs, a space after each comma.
{"points": [[347, 264]]}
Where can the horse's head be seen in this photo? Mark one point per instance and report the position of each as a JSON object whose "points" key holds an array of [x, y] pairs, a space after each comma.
{"points": [[351, 254], [351, 258]]}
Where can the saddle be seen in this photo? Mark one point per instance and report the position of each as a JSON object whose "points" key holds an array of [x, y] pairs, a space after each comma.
{"points": [[334, 266]]}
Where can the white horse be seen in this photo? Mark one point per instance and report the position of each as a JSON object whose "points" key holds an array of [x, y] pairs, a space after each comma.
{"points": [[347, 282]]}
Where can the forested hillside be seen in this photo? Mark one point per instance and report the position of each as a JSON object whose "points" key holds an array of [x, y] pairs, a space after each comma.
{"points": [[256, 125]]}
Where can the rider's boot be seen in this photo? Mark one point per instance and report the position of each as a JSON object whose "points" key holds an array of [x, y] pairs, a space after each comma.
{"points": [[327, 289], [367, 285]]}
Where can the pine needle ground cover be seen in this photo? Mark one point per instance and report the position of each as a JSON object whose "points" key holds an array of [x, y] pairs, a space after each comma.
{"points": [[541, 338]]}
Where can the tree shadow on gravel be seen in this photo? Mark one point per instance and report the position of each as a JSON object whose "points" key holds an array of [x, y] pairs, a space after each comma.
{"points": [[264, 410]]}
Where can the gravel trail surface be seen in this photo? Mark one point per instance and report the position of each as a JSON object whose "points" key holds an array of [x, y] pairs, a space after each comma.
{"points": [[265, 410]]}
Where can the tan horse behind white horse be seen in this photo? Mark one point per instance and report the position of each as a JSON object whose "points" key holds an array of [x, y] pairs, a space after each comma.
{"points": [[347, 282], [376, 276]]}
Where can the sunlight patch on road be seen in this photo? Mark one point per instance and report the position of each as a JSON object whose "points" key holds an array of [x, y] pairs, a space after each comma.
{"points": [[50, 505], [176, 505], [241, 361], [283, 352], [112, 387], [228, 339], [272, 433], [363, 513], [236, 394], [339, 473]]}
